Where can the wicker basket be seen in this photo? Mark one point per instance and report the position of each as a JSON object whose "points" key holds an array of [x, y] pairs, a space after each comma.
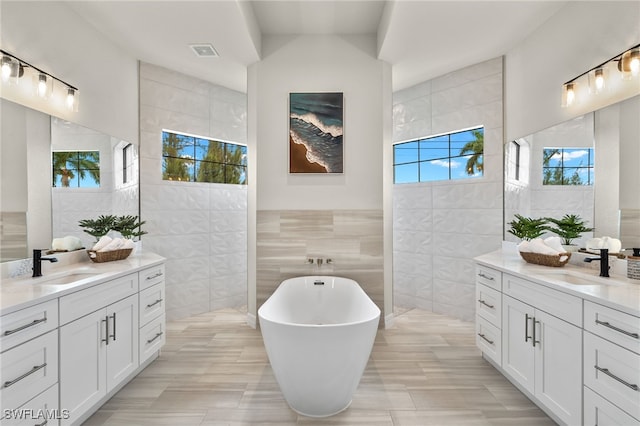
{"points": [[108, 256], [546, 259]]}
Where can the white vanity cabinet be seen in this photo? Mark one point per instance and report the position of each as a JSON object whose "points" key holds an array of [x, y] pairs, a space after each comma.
{"points": [[489, 313], [611, 366], [152, 307], [29, 360], [99, 349]]}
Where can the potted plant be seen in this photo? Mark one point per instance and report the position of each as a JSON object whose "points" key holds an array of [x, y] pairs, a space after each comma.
{"points": [[527, 228], [570, 227], [127, 226]]}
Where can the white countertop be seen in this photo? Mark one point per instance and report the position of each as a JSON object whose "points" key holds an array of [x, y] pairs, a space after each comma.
{"points": [[618, 292], [21, 292]]}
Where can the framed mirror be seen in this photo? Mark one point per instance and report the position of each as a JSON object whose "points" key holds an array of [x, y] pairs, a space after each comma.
{"points": [[586, 166], [55, 173]]}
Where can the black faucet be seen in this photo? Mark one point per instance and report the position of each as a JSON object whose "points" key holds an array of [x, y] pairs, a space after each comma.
{"points": [[37, 262], [604, 262]]}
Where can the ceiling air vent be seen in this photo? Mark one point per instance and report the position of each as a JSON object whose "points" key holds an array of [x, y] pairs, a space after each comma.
{"points": [[204, 50]]}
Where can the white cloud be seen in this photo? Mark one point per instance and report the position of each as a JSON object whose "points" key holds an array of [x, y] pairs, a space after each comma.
{"points": [[572, 155]]}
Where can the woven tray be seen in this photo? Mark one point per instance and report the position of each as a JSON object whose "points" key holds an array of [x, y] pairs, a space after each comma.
{"points": [[546, 259], [108, 256]]}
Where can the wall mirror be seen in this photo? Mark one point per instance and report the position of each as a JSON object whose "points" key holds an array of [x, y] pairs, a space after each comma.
{"points": [[586, 166], [55, 173]]}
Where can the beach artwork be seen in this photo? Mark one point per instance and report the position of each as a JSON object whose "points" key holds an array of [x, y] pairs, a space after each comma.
{"points": [[315, 132]]}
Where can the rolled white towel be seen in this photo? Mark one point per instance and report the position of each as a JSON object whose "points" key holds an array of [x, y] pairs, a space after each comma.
{"points": [[555, 243], [72, 243], [128, 244], [524, 246], [538, 246], [594, 244], [102, 243], [613, 244], [57, 244], [115, 244]]}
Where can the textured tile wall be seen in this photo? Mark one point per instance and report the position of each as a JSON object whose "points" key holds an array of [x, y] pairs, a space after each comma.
{"points": [[351, 238], [439, 227], [200, 228]]}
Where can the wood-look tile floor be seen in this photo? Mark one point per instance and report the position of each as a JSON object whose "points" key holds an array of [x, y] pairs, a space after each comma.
{"points": [[425, 370]]}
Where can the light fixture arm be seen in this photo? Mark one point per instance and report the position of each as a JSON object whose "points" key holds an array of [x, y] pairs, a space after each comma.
{"points": [[616, 58], [27, 64]]}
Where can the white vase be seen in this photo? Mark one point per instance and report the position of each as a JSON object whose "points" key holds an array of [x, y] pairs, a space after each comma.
{"points": [[570, 248]]}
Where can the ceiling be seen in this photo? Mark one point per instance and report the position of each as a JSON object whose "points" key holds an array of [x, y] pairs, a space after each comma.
{"points": [[421, 39]]}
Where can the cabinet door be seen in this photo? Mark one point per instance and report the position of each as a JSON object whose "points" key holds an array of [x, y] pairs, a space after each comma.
{"points": [[83, 376], [517, 350], [558, 366], [122, 345]]}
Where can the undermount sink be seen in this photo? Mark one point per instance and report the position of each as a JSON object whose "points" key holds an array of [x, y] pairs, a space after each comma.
{"points": [[67, 278], [577, 278]]}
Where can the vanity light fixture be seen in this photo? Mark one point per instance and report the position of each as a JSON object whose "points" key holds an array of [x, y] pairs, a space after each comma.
{"points": [[625, 66], [44, 85]]}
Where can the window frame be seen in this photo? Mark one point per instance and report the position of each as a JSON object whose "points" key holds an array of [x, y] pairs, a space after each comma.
{"points": [[196, 163], [449, 158], [77, 178], [589, 168]]}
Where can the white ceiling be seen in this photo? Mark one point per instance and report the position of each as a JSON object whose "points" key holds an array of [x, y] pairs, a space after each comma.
{"points": [[421, 39]]}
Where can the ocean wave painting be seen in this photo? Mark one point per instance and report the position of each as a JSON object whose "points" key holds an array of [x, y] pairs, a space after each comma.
{"points": [[315, 132]]}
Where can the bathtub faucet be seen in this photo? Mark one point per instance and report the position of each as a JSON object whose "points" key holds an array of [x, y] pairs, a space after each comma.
{"points": [[319, 262]]}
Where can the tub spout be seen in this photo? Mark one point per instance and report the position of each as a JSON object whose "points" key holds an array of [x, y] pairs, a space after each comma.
{"points": [[319, 262]]}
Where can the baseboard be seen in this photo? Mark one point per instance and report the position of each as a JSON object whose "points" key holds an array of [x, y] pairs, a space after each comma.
{"points": [[388, 320], [251, 320]]}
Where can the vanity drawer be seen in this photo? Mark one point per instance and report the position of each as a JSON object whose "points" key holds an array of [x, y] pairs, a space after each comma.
{"points": [[35, 412], [489, 339], [489, 277], [152, 337], [599, 411], [489, 304], [152, 303], [28, 369], [556, 303], [613, 372], [615, 326], [151, 276], [25, 324], [84, 302]]}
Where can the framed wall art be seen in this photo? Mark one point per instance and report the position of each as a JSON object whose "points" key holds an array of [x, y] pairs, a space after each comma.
{"points": [[316, 132]]}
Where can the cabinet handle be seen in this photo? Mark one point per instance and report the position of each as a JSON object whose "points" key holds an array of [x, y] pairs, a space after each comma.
{"points": [[486, 277], [114, 327], [619, 330], [42, 424], [485, 338], [28, 373], [614, 377], [31, 324], [154, 337], [106, 321], [526, 327], [154, 303], [159, 274], [485, 303], [534, 332]]}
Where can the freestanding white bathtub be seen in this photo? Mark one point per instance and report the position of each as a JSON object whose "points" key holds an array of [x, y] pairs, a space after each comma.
{"points": [[318, 332]]}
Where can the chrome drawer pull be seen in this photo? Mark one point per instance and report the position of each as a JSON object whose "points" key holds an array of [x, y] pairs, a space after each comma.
{"points": [[619, 330], [28, 373], [482, 275], [483, 336], [31, 324], [485, 303], [159, 274], [154, 338], [154, 303], [42, 424], [614, 377]]}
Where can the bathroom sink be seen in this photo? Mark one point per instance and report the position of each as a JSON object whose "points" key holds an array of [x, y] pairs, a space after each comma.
{"points": [[66, 278], [576, 278]]}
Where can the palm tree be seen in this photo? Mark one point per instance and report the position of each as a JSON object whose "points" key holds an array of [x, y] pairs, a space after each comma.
{"points": [[476, 148], [175, 167], [67, 163]]}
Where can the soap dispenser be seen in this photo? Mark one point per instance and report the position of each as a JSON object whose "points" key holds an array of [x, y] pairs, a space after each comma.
{"points": [[633, 265]]}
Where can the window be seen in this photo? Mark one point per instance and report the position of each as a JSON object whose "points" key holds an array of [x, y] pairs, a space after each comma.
{"points": [[457, 155], [567, 166], [76, 169], [127, 164], [197, 159]]}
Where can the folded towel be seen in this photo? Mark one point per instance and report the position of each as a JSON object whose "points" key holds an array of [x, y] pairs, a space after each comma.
{"points": [[115, 244], [128, 244], [537, 245], [102, 243], [68, 243], [555, 243], [524, 246]]}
